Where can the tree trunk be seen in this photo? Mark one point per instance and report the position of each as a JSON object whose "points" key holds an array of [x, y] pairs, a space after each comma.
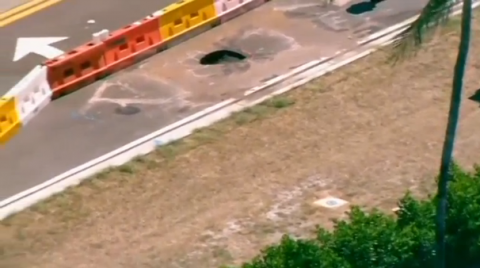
{"points": [[449, 142]]}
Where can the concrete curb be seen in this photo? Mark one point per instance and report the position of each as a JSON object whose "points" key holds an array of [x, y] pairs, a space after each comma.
{"points": [[186, 126]]}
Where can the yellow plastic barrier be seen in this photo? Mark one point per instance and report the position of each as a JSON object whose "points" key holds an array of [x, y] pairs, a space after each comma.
{"points": [[10, 123], [178, 18]]}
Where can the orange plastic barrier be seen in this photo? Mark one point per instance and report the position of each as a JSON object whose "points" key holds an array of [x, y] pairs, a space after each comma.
{"points": [[185, 19], [75, 69], [132, 43], [110, 53]]}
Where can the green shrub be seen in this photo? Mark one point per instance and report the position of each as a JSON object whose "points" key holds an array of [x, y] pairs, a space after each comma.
{"points": [[295, 253], [375, 239], [463, 225]]}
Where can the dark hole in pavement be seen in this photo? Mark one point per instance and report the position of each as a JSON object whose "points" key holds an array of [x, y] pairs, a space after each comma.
{"points": [[222, 56], [363, 7], [127, 110], [475, 97]]}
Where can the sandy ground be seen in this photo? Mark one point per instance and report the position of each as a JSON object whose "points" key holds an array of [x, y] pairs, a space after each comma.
{"points": [[364, 134]]}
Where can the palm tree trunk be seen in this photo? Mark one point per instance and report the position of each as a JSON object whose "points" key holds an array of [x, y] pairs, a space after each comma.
{"points": [[449, 142]]}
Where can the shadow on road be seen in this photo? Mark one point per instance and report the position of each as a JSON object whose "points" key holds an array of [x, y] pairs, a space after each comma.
{"points": [[475, 97], [363, 7]]}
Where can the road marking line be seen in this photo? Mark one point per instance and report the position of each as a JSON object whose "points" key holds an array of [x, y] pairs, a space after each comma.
{"points": [[24, 10]]}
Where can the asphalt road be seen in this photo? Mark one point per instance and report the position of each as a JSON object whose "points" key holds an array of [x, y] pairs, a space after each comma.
{"points": [[6, 5], [68, 18], [92, 122]]}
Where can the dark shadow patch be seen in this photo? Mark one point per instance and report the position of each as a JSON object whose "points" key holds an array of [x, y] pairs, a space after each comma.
{"points": [[235, 54], [223, 56], [475, 97], [127, 110], [363, 7]]}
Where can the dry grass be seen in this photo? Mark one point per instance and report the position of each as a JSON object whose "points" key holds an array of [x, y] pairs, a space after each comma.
{"points": [[365, 134]]}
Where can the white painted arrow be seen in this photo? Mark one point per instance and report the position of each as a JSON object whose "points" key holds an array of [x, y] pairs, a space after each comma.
{"points": [[38, 45]]}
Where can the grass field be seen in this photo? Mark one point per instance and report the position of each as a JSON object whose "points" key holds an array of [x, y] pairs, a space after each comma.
{"points": [[365, 134]]}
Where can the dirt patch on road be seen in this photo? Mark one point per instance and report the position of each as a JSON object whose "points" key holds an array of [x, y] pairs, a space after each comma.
{"points": [[364, 134]]}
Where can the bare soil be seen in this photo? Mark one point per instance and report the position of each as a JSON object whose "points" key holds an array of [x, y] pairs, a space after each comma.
{"points": [[365, 133]]}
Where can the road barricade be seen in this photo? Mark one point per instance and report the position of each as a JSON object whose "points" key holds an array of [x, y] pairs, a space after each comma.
{"points": [[111, 52], [10, 123], [185, 19], [132, 44], [32, 94], [229, 9], [106, 54], [76, 68]]}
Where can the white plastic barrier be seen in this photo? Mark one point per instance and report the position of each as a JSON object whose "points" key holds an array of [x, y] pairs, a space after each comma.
{"points": [[32, 93], [100, 36], [229, 9], [224, 6]]}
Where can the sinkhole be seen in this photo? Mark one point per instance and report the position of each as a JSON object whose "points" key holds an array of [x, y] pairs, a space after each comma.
{"points": [[221, 57], [363, 7]]}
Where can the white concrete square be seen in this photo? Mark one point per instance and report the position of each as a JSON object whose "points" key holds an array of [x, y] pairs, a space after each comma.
{"points": [[341, 2]]}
